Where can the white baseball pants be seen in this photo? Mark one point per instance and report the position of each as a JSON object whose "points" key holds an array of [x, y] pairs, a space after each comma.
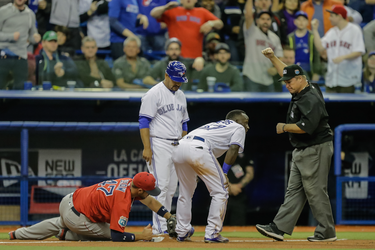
{"points": [[165, 174], [194, 158]]}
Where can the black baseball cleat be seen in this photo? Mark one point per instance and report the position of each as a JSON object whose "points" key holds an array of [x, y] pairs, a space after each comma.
{"points": [[62, 233], [12, 235], [270, 231], [318, 238]]}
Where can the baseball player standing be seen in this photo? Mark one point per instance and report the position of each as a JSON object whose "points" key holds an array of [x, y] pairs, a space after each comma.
{"points": [[311, 137], [345, 46], [99, 212], [163, 121], [196, 156]]}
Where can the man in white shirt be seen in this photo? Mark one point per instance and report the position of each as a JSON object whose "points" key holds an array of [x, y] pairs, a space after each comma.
{"points": [[257, 72], [345, 46]]}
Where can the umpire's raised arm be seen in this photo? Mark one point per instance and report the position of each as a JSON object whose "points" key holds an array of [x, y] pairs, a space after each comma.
{"points": [[279, 65]]}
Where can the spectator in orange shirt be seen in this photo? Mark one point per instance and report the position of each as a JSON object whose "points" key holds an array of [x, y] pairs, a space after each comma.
{"points": [[316, 9], [188, 24]]}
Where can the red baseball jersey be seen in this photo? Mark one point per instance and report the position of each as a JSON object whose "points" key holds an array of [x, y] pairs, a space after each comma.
{"points": [[109, 201], [185, 25]]}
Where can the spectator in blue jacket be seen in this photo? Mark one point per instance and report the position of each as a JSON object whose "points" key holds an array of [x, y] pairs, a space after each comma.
{"points": [[124, 18], [152, 38], [54, 67]]}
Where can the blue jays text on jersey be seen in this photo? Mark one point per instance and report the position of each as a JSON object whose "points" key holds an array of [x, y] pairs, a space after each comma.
{"points": [[170, 107]]}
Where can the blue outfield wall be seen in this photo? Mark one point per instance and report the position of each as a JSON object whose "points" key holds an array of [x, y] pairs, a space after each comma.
{"points": [[111, 154]]}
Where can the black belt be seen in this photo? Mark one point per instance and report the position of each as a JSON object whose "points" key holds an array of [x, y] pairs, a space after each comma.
{"points": [[198, 138], [76, 212], [174, 143]]}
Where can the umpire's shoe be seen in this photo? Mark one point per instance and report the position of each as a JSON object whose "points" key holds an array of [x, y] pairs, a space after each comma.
{"points": [[218, 239], [271, 231], [318, 238], [187, 236]]}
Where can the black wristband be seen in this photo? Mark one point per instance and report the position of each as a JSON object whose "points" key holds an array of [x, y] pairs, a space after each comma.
{"points": [[162, 211], [118, 236], [283, 128]]}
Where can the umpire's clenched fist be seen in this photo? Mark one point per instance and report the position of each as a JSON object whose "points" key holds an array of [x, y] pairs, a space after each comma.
{"points": [[268, 53]]}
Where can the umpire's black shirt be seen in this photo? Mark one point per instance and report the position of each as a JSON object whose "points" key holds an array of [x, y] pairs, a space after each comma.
{"points": [[307, 110]]}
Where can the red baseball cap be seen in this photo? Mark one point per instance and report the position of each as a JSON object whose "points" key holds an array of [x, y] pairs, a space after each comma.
{"points": [[338, 10], [147, 182]]}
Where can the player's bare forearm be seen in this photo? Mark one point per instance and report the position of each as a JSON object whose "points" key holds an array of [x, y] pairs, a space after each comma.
{"points": [[290, 128], [231, 155], [154, 205], [352, 55], [249, 19], [147, 152], [145, 136], [157, 12]]}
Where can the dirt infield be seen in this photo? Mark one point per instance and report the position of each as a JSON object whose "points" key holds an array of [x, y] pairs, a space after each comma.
{"points": [[197, 242]]}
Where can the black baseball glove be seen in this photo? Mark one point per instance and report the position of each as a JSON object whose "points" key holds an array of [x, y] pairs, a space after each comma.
{"points": [[171, 226]]}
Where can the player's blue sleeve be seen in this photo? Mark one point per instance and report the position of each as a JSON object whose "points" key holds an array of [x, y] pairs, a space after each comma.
{"points": [[116, 25], [184, 126], [114, 11], [117, 236], [144, 122]]}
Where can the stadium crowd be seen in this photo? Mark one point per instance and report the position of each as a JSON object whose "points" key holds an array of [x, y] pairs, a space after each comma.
{"points": [[126, 44]]}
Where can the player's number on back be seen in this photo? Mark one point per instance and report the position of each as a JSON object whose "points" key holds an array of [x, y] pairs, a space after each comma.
{"points": [[107, 187], [218, 125]]}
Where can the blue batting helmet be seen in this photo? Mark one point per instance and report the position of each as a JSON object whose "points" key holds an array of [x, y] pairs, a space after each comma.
{"points": [[176, 71]]}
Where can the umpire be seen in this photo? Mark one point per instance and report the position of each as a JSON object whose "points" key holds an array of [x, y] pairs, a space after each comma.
{"points": [[311, 136]]}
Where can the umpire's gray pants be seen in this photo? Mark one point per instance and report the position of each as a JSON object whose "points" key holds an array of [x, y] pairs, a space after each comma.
{"points": [[308, 181], [80, 227]]}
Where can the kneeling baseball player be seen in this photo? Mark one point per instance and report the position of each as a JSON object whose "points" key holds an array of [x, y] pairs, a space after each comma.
{"points": [[196, 156], [100, 212]]}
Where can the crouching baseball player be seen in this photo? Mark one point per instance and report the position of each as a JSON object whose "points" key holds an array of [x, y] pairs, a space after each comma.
{"points": [[196, 156], [100, 212]]}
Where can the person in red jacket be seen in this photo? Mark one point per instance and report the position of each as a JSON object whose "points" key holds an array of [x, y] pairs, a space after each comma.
{"points": [[99, 212], [316, 9], [188, 24]]}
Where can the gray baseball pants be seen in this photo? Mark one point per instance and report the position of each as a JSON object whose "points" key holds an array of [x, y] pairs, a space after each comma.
{"points": [[308, 182], [80, 227]]}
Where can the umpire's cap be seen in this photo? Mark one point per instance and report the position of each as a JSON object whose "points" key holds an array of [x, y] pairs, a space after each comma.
{"points": [[147, 182], [291, 71], [176, 71]]}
